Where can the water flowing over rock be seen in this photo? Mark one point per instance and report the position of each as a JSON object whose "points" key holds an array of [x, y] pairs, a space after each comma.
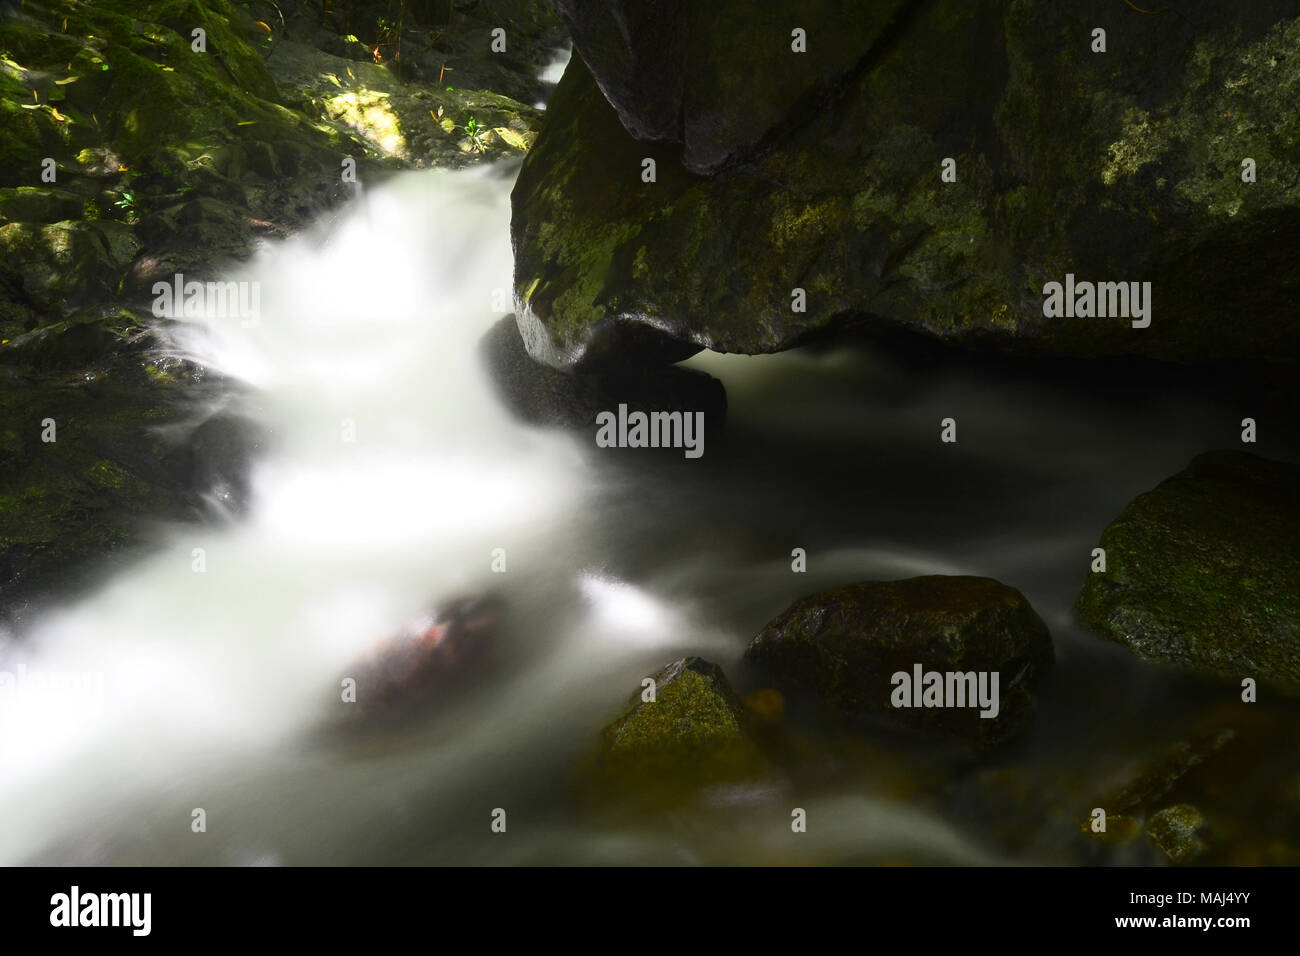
{"points": [[129, 155], [1203, 572], [845, 646], [821, 171]]}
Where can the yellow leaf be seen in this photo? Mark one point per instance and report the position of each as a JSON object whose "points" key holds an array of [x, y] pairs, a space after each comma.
{"points": [[246, 123], [263, 26], [333, 79], [513, 139]]}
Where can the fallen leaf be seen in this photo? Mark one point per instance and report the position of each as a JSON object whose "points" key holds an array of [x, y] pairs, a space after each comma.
{"points": [[513, 139]]}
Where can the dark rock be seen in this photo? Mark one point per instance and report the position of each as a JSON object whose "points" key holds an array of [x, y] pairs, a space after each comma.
{"points": [[845, 645], [431, 659], [692, 735], [1146, 804], [716, 77], [1067, 161], [1203, 572], [118, 424], [541, 395], [38, 204], [1146, 791], [218, 458]]}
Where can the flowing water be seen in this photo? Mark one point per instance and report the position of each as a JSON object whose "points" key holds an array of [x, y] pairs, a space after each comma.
{"points": [[392, 473]]}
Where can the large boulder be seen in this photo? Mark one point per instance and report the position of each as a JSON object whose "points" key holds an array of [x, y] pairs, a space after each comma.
{"points": [[848, 645], [1203, 572], [716, 77], [821, 171]]}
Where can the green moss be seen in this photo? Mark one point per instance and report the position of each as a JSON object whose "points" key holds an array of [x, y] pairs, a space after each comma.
{"points": [[692, 734], [1203, 573]]}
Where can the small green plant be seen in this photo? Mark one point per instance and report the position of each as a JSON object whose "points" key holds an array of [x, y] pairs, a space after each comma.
{"points": [[475, 133], [130, 205]]}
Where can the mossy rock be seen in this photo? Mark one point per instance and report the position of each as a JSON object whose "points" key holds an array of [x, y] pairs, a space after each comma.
{"points": [[65, 265], [118, 460], [1123, 166], [392, 119], [38, 204], [1203, 572], [845, 645], [1178, 832], [692, 735]]}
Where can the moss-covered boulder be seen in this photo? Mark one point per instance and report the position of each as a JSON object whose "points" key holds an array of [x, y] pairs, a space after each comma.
{"points": [[716, 77], [691, 735], [1203, 572], [1122, 166], [419, 125], [848, 646]]}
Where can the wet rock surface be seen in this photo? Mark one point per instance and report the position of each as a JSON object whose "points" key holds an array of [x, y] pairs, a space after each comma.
{"points": [[428, 662], [1203, 572], [846, 645], [544, 396], [693, 734], [1122, 166]]}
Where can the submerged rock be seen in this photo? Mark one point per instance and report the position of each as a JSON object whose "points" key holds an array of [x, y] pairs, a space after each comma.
{"points": [[431, 658], [846, 645], [691, 735], [541, 395], [822, 172], [1148, 802], [1203, 572]]}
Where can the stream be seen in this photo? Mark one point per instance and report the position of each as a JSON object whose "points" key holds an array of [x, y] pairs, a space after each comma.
{"points": [[209, 671]]}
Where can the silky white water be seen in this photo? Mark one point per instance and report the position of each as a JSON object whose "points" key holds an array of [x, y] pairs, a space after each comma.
{"points": [[391, 477]]}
